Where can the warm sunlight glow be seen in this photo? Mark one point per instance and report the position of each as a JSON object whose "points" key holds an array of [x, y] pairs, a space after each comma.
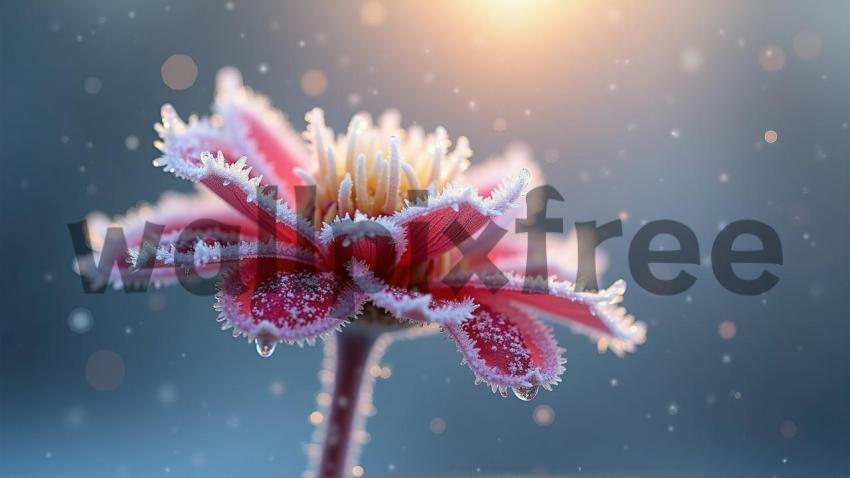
{"points": [[515, 12]]}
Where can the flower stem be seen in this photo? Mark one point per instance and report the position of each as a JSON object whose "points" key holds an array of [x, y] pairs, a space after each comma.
{"points": [[348, 359]]}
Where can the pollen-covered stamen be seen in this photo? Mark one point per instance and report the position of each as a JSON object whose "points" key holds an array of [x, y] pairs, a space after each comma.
{"points": [[371, 168]]}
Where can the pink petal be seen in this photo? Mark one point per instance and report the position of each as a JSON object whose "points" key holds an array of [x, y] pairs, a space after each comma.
{"points": [[595, 314], [273, 304], [507, 348], [511, 255], [176, 212], [209, 248], [427, 227], [182, 144], [186, 154], [232, 183], [260, 131], [407, 304], [488, 175]]}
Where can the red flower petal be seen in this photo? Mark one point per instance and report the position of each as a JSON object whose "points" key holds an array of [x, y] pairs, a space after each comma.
{"points": [[377, 242], [507, 348], [260, 131], [208, 249], [270, 302], [595, 314], [429, 228], [186, 154], [179, 214], [406, 304]]}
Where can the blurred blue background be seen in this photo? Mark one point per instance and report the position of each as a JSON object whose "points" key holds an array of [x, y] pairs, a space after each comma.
{"points": [[640, 110]]}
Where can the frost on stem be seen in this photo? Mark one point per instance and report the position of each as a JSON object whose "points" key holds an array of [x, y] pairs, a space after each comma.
{"points": [[345, 400]]}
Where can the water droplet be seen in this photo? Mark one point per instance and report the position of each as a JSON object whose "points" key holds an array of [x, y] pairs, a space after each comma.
{"points": [[526, 393], [265, 345]]}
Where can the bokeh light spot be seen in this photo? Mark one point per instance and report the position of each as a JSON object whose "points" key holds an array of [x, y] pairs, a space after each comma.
{"points": [[727, 330], [131, 143], [179, 72], [105, 370], [373, 14], [807, 45], [772, 58], [80, 320], [692, 60], [92, 85], [314, 82], [277, 388], [771, 136], [500, 124], [543, 415], [437, 426], [788, 429]]}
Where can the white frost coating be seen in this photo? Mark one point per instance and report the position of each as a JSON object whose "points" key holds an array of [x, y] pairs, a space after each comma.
{"points": [[360, 227], [504, 197], [230, 313], [238, 174], [346, 205], [409, 305], [233, 101], [178, 137], [545, 375], [203, 254], [624, 332]]}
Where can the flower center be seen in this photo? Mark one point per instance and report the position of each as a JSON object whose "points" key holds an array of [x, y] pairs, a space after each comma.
{"points": [[374, 169]]}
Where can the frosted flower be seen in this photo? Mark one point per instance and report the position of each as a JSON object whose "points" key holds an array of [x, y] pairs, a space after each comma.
{"points": [[390, 204]]}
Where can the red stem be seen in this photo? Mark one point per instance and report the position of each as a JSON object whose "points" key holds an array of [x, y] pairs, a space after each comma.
{"points": [[352, 389]]}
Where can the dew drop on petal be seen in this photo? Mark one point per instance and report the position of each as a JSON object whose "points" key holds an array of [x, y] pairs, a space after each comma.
{"points": [[526, 393], [266, 346], [266, 343]]}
